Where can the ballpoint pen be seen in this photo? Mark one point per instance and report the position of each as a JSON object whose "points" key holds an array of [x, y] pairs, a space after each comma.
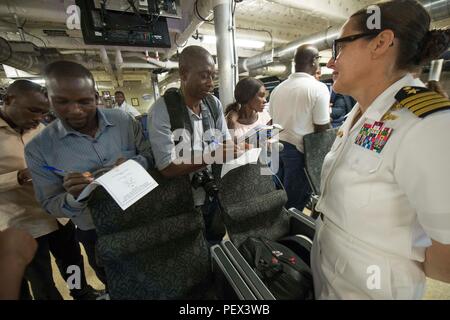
{"points": [[55, 170]]}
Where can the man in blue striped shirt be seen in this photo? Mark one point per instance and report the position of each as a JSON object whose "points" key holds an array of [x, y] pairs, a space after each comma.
{"points": [[82, 139]]}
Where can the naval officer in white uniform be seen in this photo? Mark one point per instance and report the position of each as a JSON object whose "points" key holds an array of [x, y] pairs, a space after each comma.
{"points": [[386, 181]]}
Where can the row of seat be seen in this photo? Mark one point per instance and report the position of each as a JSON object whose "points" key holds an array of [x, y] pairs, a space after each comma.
{"points": [[156, 249]]}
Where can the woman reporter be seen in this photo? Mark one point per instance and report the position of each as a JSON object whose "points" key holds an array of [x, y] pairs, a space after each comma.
{"points": [[248, 111]]}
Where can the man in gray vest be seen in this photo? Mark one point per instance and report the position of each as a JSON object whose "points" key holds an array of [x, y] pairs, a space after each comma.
{"points": [[196, 116]]}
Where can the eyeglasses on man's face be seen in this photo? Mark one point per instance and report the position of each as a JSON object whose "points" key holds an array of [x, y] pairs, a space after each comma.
{"points": [[338, 44]]}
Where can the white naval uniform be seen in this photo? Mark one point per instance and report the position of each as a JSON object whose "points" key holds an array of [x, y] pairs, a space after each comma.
{"points": [[381, 209]]}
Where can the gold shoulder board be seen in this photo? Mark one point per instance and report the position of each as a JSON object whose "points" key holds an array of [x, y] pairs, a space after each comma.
{"points": [[422, 101]]}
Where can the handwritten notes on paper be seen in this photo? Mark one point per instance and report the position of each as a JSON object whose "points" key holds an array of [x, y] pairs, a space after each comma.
{"points": [[126, 184]]}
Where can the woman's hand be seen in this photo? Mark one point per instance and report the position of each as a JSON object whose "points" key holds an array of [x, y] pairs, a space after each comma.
{"points": [[437, 261]]}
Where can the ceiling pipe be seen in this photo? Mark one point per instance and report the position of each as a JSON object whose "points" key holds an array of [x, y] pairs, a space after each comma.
{"points": [[108, 68], [204, 8], [138, 65], [16, 60], [272, 70], [438, 9], [43, 10], [162, 64], [119, 63], [322, 40]]}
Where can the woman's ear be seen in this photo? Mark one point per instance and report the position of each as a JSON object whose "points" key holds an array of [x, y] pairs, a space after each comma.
{"points": [[382, 43]]}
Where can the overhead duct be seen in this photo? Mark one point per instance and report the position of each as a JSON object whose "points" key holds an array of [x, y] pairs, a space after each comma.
{"points": [[32, 10], [278, 69], [438, 9], [201, 9], [322, 40], [19, 61]]}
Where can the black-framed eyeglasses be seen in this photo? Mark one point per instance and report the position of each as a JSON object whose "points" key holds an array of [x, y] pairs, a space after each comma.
{"points": [[338, 43]]}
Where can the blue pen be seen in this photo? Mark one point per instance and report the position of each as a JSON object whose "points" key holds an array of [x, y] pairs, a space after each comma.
{"points": [[55, 170], [214, 141]]}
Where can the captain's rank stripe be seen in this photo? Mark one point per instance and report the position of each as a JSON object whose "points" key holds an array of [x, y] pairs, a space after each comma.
{"points": [[422, 101]]}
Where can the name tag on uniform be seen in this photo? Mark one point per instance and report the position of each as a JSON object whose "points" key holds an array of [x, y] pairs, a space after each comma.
{"points": [[373, 136]]}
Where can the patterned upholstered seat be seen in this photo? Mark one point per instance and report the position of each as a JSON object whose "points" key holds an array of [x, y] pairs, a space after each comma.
{"points": [[251, 205], [317, 145], [156, 248]]}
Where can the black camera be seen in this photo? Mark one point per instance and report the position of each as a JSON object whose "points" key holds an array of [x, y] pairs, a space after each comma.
{"points": [[205, 179]]}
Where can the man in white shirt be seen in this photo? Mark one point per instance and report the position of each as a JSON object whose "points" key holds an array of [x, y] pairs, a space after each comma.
{"points": [[123, 105], [301, 106]]}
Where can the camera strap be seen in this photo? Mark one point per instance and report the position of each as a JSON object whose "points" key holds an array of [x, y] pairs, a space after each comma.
{"points": [[179, 115]]}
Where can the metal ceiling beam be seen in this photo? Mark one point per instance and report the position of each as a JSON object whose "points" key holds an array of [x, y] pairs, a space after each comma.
{"points": [[18, 60]]}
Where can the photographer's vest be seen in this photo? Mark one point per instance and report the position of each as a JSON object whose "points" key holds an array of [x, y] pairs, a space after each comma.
{"points": [[179, 115]]}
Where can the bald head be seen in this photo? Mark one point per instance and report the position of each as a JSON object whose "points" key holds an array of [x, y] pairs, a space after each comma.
{"points": [[23, 87], [194, 55], [63, 70], [25, 104], [306, 59]]}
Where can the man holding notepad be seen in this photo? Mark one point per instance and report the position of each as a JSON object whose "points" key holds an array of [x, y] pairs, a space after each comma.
{"points": [[82, 140]]}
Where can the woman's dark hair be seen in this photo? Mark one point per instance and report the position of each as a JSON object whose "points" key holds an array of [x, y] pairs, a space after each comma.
{"points": [[245, 90], [410, 23]]}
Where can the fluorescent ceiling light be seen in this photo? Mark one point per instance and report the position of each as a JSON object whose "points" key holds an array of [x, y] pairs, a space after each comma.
{"points": [[38, 81], [242, 43], [14, 73]]}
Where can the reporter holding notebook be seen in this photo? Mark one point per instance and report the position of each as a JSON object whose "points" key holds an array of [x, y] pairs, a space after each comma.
{"points": [[82, 140]]}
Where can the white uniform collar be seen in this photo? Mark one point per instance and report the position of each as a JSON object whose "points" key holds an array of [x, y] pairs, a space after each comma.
{"points": [[385, 100]]}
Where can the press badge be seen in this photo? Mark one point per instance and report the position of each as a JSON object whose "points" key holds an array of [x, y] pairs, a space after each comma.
{"points": [[373, 136]]}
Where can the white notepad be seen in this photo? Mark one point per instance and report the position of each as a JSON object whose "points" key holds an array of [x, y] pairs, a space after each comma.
{"points": [[126, 183], [250, 156]]}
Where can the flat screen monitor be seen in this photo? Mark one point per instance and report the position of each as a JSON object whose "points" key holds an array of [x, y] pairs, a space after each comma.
{"points": [[122, 28]]}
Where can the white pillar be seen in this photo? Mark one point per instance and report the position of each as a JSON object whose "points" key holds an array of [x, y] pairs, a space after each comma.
{"points": [[225, 50]]}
